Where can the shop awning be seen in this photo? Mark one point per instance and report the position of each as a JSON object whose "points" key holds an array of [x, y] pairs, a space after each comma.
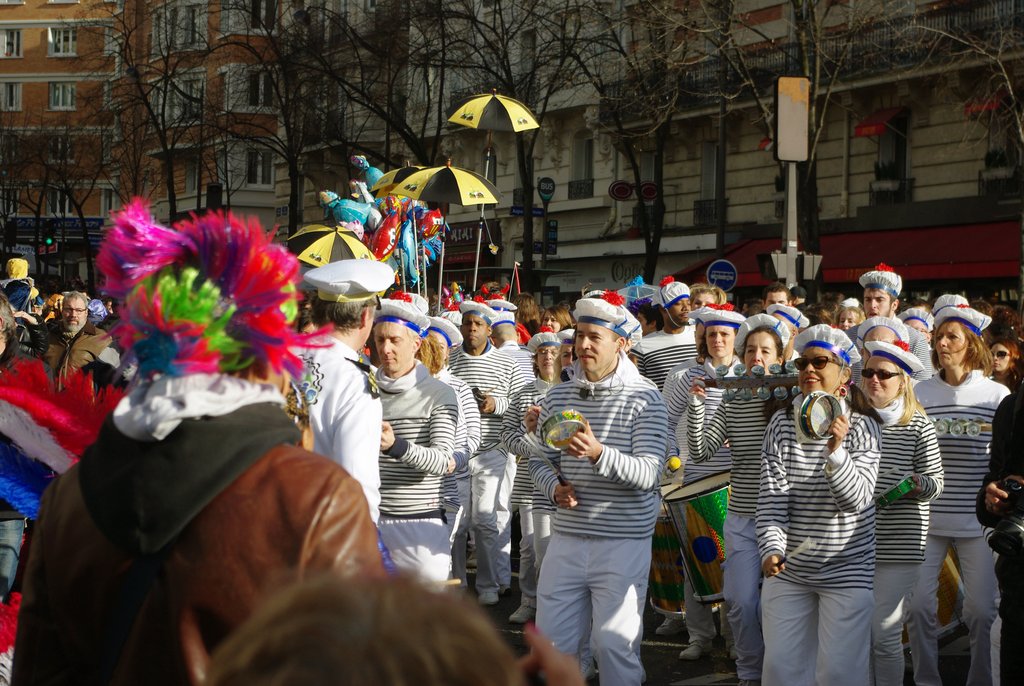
{"points": [[966, 251], [989, 104], [877, 123]]}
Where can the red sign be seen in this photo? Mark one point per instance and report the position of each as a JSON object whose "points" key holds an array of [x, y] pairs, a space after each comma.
{"points": [[648, 190], [47, 249], [620, 190]]}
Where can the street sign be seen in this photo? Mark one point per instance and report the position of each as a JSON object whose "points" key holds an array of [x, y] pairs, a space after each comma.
{"points": [[723, 273], [552, 237], [648, 190], [517, 211], [546, 188], [620, 190], [792, 102]]}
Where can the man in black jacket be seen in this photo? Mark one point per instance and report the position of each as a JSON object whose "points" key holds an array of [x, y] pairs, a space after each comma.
{"points": [[994, 503]]}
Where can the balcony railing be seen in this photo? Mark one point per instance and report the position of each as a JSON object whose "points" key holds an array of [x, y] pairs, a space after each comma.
{"points": [[581, 188], [999, 182], [705, 212], [891, 191]]}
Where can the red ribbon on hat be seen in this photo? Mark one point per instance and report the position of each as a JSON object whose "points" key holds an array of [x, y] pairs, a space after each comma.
{"points": [[666, 281], [883, 267], [545, 329], [401, 295], [902, 345], [963, 307], [614, 298], [727, 307], [479, 298]]}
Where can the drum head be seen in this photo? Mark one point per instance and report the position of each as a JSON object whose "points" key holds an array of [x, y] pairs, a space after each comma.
{"points": [[708, 484], [559, 428], [817, 413]]}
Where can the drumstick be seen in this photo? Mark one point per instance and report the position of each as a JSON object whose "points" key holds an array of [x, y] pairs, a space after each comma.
{"points": [[808, 545], [556, 470]]}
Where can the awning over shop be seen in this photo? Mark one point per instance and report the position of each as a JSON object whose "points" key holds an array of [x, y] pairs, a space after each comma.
{"points": [[967, 251], [981, 105], [877, 123]]}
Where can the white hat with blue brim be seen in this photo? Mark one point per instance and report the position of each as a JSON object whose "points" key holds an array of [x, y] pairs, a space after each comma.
{"points": [[477, 309], [882, 278], [543, 339], [973, 321], [760, 321], [670, 292], [400, 309], [833, 340], [904, 359], [350, 280], [789, 314], [606, 311], [895, 325], [918, 314], [446, 330]]}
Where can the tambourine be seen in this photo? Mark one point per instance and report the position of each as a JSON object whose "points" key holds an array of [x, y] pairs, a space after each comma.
{"points": [[894, 493], [747, 386], [559, 428], [817, 412]]}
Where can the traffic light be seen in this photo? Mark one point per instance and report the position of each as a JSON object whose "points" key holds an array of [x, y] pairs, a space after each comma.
{"points": [[50, 238]]}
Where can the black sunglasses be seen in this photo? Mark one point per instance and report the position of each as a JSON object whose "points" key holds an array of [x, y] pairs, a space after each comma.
{"points": [[882, 375], [818, 363], [1001, 353]]}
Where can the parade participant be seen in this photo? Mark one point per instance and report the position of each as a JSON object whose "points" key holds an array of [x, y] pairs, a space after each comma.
{"points": [[882, 287], [567, 337], [647, 313], [456, 489], [495, 378], [720, 325], [794, 319], [338, 388], [534, 520], [761, 340], [850, 314], [885, 329], [1007, 366], [194, 501], [775, 294], [505, 337], [910, 449], [920, 319], [799, 295], [662, 350], [74, 342], [598, 560], [959, 393], [702, 294], [556, 318], [417, 443], [819, 490]]}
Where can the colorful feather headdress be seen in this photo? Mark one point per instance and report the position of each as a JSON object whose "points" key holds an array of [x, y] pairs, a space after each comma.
{"points": [[212, 294]]}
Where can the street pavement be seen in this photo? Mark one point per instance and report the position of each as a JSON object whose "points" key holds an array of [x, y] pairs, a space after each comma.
{"points": [[660, 654]]}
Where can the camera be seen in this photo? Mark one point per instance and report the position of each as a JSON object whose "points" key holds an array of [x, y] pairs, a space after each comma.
{"points": [[1008, 537]]}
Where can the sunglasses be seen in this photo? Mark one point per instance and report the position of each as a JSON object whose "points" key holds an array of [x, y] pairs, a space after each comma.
{"points": [[869, 373], [818, 363], [1001, 354]]}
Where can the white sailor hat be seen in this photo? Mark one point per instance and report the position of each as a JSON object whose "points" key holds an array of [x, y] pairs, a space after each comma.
{"points": [[849, 302], [697, 315], [500, 305], [503, 317], [902, 358], [894, 325], [596, 293], [454, 316], [634, 331], [721, 315], [420, 302], [760, 321], [565, 336], [947, 300], [670, 292], [543, 338], [789, 314], [918, 314], [883, 278], [606, 311], [350, 280], [834, 340], [974, 321], [446, 329], [399, 309], [477, 309]]}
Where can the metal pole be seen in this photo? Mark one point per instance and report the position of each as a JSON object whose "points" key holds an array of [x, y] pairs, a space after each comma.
{"points": [[488, 154], [790, 243]]}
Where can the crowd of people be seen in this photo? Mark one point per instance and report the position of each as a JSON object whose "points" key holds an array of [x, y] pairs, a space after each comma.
{"points": [[360, 448]]}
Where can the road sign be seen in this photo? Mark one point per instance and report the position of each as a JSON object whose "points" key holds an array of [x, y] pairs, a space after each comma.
{"points": [[722, 273], [620, 190], [517, 211], [546, 188], [648, 190]]}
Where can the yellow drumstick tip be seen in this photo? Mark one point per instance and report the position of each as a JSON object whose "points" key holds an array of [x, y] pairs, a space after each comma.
{"points": [[674, 463]]}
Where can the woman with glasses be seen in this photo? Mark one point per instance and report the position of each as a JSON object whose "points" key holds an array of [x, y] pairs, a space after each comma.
{"points": [[909, 476], [961, 400], [816, 524], [1007, 367], [761, 340]]}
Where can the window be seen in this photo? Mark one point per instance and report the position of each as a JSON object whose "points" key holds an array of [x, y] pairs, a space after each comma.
{"points": [[261, 89], [8, 147], [187, 99], [63, 42], [583, 156], [106, 147], [259, 168], [58, 204], [528, 51], [62, 95], [10, 43], [60, 149], [647, 166], [191, 175], [108, 201], [708, 170], [892, 147], [8, 201], [111, 44], [10, 97], [263, 13]]}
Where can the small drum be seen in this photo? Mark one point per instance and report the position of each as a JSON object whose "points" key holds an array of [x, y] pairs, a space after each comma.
{"points": [[895, 492], [666, 578], [816, 414], [698, 513], [559, 428]]}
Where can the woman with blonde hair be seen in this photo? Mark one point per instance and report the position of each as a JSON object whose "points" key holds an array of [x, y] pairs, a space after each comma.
{"points": [[962, 400], [850, 314], [909, 477], [556, 318]]}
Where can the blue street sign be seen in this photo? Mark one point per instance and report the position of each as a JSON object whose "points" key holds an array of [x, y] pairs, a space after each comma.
{"points": [[517, 211], [722, 273]]}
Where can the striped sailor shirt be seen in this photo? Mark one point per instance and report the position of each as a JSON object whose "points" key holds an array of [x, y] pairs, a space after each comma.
{"points": [[495, 373], [659, 352]]}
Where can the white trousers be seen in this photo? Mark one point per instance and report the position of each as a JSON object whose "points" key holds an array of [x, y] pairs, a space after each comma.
{"points": [[527, 556], [742, 572], [894, 584], [503, 566], [460, 530], [418, 546], [981, 605], [815, 635], [602, 578], [487, 471], [541, 535]]}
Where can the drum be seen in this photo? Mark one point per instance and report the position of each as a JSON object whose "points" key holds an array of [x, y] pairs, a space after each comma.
{"points": [[559, 428], [698, 513], [666, 578]]}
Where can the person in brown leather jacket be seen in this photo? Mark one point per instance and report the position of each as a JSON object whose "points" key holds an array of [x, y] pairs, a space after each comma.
{"points": [[74, 342], [195, 476]]}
